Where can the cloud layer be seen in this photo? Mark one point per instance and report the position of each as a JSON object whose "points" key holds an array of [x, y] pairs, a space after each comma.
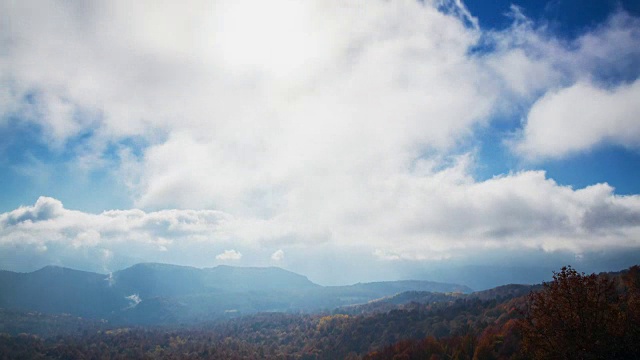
{"points": [[580, 117], [322, 124], [442, 216]]}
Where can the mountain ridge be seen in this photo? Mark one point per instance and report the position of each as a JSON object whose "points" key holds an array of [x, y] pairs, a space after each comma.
{"points": [[157, 293]]}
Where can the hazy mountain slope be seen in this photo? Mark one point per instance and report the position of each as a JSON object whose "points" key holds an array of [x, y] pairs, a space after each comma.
{"points": [[483, 277], [243, 279], [331, 297], [401, 300], [153, 293], [150, 280], [384, 287], [60, 290]]}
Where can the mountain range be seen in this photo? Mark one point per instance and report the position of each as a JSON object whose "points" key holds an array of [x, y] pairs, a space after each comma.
{"points": [[152, 293]]}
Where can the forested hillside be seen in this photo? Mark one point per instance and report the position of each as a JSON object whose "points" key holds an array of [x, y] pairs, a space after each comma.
{"points": [[583, 316]]}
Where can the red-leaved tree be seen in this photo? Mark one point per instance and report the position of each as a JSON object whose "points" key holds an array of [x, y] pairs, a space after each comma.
{"points": [[578, 316]]}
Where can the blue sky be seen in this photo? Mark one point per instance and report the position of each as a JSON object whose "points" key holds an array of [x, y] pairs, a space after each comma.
{"points": [[408, 135], [566, 20]]}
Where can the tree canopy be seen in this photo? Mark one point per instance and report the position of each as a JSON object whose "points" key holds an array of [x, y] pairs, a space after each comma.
{"points": [[578, 316]]}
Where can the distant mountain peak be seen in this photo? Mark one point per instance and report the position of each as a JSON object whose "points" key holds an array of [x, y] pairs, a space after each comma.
{"points": [[50, 268], [56, 269]]}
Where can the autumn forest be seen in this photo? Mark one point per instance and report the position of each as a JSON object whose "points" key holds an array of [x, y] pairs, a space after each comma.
{"points": [[574, 316]]}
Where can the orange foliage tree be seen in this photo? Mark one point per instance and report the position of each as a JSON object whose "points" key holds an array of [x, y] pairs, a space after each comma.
{"points": [[578, 316]]}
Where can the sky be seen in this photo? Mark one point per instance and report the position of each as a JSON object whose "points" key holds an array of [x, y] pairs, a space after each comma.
{"points": [[345, 140]]}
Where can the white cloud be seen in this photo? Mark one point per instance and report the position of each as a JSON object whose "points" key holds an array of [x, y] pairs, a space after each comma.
{"points": [[381, 86], [134, 300], [433, 216], [109, 237], [581, 117], [229, 255], [397, 75], [278, 255], [45, 208]]}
